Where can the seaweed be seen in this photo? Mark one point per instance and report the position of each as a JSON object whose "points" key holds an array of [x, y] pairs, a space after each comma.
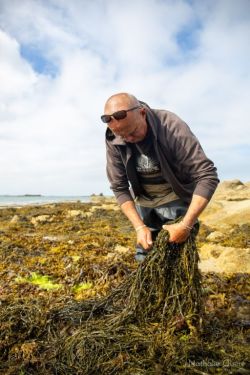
{"points": [[111, 316]]}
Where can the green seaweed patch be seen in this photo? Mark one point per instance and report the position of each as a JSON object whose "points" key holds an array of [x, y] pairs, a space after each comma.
{"points": [[83, 286], [42, 281]]}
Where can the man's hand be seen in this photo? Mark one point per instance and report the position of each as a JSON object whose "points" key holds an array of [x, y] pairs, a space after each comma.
{"points": [[144, 238], [178, 233]]}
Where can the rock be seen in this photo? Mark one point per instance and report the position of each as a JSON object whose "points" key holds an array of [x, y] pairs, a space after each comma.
{"points": [[55, 238], [15, 219], [112, 256], [102, 198], [121, 249], [18, 219], [209, 251], [223, 213], [115, 254], [109, 206], [215, 236], [231, 184], [78, 214], [74, 213], [42, 219], [232, 190], [113, 207], [225, 228], [217, 258]]}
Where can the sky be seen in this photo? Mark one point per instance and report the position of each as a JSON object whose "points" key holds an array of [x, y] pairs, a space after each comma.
{"points": [[60, 60]]}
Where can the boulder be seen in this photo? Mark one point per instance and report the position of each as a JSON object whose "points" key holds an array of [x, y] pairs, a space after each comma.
{"points": [[217, 258], [42, 219], [231, 184], [232, 190], [78, 214]]}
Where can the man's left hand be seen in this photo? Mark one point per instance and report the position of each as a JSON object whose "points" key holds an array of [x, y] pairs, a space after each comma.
{"points": [[177, 232]]}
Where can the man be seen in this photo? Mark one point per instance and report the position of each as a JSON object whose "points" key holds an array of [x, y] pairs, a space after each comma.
{"points": [[157, 169]]}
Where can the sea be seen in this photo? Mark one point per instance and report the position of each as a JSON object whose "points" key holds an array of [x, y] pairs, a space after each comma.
{"points": [[22, 200]]}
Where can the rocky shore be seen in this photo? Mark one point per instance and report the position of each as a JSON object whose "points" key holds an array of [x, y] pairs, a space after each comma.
{"points": [[226, 246], [56, 253]]}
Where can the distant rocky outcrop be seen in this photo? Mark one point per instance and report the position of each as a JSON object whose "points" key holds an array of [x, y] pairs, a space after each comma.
{"points": [[102, 199]]}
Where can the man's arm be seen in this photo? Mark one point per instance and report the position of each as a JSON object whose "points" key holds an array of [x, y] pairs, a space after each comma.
{"points": [[192, 165], [179, 232], [119, 184], [144, 237]]}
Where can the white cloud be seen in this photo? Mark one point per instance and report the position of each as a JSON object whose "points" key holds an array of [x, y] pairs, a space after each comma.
{"points": [[16, 75], [51, 138]]}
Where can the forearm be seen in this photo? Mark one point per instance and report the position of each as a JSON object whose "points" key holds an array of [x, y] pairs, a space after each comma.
{"points": [[144, 237], [180, 231], [128, 208], [196, 207]]}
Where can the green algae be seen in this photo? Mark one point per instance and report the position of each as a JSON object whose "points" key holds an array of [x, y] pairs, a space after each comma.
{"points": [[82, 286], [42, 281]]}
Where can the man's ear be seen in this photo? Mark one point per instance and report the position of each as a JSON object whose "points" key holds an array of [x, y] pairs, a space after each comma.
{"points": [[143, 111]]}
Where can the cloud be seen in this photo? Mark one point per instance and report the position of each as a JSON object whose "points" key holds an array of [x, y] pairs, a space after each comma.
{"points": [[61, 60]]}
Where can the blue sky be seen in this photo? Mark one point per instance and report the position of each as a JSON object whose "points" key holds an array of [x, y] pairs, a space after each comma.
{"points": [[40, 64], [60, 60]]}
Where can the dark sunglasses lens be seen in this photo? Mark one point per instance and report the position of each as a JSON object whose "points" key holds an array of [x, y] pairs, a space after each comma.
{"points": [[106, 118], [119, 115]]}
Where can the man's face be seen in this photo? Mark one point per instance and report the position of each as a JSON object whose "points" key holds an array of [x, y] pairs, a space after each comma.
{"points": [[133, 127]]}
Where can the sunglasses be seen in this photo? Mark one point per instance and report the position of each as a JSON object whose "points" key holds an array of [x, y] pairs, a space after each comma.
{"points": [[119, 115]]}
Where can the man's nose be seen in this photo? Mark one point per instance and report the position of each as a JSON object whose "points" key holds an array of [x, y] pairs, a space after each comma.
{"points": [[114, 127]]}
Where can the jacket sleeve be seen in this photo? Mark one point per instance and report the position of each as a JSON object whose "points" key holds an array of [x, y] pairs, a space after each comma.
{"points": [[191, 161], [116, 174]]}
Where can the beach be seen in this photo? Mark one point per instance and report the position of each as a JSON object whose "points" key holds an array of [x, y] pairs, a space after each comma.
{"points": [[59, 253]]}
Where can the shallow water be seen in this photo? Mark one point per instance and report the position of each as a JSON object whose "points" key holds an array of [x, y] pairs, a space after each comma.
{"points": [[22, 200]]}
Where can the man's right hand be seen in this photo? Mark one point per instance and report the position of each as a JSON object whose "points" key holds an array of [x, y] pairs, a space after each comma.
{"points": [[144, 238]]}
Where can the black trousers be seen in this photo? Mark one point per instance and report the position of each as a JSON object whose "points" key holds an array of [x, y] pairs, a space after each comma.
{"points": [[155, 217]]}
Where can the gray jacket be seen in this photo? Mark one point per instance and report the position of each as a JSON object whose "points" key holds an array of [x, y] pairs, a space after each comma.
{"points": [[183, 162]]}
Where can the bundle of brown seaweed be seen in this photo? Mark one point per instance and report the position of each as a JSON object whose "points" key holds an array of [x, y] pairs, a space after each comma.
{"points": [[125, 330]]}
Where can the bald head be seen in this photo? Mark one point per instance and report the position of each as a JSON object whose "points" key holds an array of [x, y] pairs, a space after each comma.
{"points": [[132, 127], [120, 101]]}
